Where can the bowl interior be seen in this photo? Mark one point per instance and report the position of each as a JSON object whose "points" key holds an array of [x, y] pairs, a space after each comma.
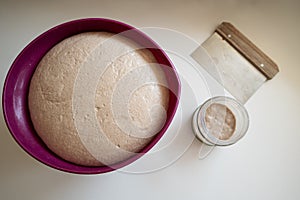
{"points": [[17, 82]]}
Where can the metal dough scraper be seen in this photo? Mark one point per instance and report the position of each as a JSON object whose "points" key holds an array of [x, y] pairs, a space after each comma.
{"points": [[235, 62]]}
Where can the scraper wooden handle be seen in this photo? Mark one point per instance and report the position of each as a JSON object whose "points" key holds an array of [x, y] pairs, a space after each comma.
{"points": [[246, 48]]}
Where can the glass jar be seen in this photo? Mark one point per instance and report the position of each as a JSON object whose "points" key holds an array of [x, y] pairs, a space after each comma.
{"points": [[220, 121]]}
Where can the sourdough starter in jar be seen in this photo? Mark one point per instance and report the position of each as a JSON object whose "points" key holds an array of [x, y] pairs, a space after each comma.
{"points": [[220, 121]]}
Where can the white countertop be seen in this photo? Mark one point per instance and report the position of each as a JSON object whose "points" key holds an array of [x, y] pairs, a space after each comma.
{"points": [[263, 165]]}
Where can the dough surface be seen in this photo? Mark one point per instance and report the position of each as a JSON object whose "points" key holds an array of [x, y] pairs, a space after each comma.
{"points": [[51, 93], [220, 121]]}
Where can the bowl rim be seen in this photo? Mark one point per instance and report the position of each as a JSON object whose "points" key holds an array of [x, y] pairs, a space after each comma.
{"points": [[84, 169]]}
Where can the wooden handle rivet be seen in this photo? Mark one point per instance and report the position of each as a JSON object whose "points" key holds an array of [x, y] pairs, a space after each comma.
{"points": [[229, 35], [262, 65]]}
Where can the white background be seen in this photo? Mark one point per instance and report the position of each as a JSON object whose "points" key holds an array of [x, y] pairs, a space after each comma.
{"points": [[265, 164]]}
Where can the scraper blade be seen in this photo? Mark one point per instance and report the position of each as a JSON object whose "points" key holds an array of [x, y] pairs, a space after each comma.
{"points": [[235, 62]]}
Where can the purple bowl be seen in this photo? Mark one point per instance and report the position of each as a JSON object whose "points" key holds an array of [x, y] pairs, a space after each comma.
{"points": [[16, 86]]}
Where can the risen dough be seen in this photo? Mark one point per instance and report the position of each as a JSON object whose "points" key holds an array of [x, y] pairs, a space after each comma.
{"points": [[51, 97]]}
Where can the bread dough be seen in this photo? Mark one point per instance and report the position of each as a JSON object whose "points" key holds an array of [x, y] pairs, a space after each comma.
{"points": [[51, 93], [220, 121]]}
